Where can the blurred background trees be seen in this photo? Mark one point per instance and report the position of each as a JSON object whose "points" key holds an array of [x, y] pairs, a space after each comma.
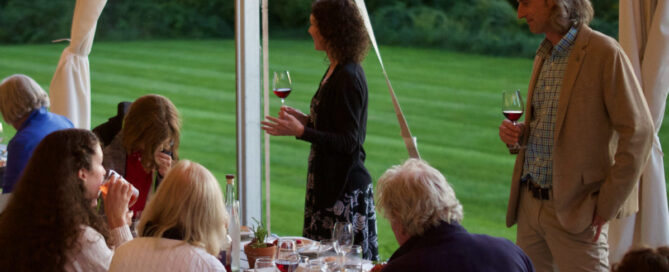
{"points": [[478, 26]]}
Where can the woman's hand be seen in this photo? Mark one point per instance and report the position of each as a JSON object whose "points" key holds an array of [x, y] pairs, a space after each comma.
{"points": [[163, 160], [286, 124], [303, 118], [116, 202]]}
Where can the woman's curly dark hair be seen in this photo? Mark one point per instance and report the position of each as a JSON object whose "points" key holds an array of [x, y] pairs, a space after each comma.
{"points": [[43, 220], [343, 29]]}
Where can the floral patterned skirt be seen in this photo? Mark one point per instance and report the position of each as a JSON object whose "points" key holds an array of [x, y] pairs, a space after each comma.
{"points": [[356, 207]]}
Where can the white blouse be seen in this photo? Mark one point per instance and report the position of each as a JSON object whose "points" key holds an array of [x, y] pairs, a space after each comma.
{"points": [[95, 255], [162, 254]]}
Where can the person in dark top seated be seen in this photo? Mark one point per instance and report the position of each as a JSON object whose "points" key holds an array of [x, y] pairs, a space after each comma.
{"points": [[425, 217], [24, 104], [108, 130]]}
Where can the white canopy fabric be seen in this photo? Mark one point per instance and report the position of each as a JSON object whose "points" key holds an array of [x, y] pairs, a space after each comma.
{"points": [[70, 90], [644, 35]]}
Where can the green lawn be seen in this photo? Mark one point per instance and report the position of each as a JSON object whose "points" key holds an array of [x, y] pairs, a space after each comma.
{"points": [[451, 101]]}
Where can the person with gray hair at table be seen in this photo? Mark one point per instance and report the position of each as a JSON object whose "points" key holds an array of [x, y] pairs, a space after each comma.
{"points": [[23, 104], [425, 217]]}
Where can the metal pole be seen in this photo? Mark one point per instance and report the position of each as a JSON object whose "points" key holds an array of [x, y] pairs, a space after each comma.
{"points": [[247, 48]]}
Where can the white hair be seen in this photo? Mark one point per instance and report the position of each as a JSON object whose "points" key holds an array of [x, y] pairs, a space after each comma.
{"points": [[417, 196]]}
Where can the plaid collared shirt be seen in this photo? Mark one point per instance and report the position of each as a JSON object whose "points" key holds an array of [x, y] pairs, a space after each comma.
{"points": [[539, 153]]}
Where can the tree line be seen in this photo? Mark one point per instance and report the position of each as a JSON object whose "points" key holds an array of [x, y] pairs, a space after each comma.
{"points": [[478, 26]]}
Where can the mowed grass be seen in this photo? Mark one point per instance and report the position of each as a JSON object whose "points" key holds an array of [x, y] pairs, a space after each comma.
{"points": [[451, 101]]}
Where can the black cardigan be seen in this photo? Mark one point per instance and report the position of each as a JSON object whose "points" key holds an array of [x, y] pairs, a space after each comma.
{"points": [[336, 130]]}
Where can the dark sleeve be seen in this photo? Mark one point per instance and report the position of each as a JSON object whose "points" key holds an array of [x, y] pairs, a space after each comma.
{"points": [[347, 107]]}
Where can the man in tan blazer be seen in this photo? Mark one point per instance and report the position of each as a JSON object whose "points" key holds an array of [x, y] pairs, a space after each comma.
{"points": [[585, 140]]}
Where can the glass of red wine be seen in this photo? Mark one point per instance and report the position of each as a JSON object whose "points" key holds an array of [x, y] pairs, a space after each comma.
{"points": [[287, 258], [282, 85], [512, 108]]}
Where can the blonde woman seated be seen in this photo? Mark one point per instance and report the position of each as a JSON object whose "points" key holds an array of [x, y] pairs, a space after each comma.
{"points": [[182, 228], [425, 217], [50, 223]]}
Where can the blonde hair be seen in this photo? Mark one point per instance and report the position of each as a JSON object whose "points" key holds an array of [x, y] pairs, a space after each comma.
{"points": [[189, 199], [151, 120], [417, 196], [567, 13], [20, 95]]}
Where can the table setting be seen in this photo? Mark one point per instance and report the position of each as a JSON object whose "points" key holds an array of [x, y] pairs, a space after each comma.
{"points": [[300, 254]]}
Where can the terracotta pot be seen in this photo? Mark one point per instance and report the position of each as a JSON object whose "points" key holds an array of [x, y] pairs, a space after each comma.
{"points": [[254, 253]]}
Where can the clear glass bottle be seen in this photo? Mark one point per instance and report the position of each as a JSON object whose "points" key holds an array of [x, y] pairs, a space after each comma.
{"points": [[232, 205], [229, 191], [234, 229]]}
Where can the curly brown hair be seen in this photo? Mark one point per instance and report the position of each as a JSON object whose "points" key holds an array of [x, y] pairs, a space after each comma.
{"points": [[43, 221], [342, 27]]}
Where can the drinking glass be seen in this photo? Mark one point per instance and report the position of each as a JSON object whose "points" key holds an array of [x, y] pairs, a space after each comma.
{"points": [[512, 108], [354, 259], [104, 187], [316, 266], [264, 264], [342, 234], [282, 85]]}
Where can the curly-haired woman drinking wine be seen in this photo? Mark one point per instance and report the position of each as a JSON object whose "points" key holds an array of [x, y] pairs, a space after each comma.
{"points": [[339, 188]]}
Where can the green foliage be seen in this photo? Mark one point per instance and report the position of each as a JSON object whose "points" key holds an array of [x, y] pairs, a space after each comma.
{"points": [[39, 21], [35, 20], [481, 26], [259, 235]]}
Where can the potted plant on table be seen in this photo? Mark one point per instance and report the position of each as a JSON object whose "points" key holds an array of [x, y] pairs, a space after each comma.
{"points": [[258, 247]]}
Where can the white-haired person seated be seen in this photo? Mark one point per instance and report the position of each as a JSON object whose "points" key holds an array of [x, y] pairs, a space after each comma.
{"points": [[182, 228], [23, 104], [425, 216]]}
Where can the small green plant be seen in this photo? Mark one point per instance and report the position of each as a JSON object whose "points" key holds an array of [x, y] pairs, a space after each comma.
{"points": [[259, 235]]}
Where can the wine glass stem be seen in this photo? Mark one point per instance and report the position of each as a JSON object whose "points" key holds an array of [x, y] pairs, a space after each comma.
{"points": [[282, 102]]}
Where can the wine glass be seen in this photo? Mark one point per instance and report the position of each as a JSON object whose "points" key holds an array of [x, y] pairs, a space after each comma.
{"points": [[342, 234], [282, 85], [512, 108], [287, 258]]}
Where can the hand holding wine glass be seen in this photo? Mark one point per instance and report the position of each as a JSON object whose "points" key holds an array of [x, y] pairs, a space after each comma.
{"points": [[283, 85], [512, 108]]}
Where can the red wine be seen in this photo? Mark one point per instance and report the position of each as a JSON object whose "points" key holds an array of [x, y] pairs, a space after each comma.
{"points": [[286, 265], [282, 92], [513, 115]]}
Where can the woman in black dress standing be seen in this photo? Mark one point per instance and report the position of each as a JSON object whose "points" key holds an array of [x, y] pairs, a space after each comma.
{"points": [[339, 188]]}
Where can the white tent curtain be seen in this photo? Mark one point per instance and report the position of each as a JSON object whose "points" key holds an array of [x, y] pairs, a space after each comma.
{"points": [[644, 35], [409, 141], [70, 90]]}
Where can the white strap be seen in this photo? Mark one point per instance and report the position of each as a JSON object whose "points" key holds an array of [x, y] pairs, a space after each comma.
{"points": [[409, 141]]}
